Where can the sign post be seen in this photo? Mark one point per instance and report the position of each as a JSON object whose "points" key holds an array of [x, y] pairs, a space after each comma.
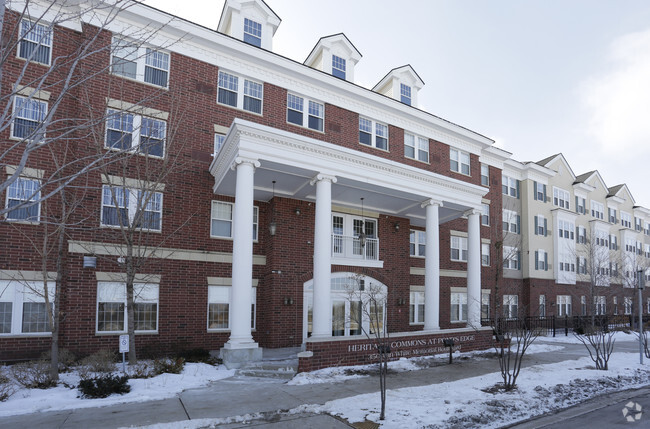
{"points": [[124, 348], [640, 286]]}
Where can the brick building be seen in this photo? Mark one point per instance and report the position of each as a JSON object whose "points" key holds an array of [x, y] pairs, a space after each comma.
{"points": [[256, 194]]}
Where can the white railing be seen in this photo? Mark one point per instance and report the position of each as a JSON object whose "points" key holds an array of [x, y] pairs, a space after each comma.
{"points": [[344, 246]]}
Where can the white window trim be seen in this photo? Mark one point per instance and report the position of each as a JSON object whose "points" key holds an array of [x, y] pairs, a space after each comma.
{"points": [[140, 61], [131, 208], [483, 247], [563, 198], [459, 161], [373, 133], [252, 35], [461, 298], [462, 241], [15, 292], [256, 226], [418, 235], [35, 25], [229, 290], [416, 298], [509, 301], [305, 112], [135, 134], [137, 287], [486, 175], [241, 85], [14, 116], [35, 197], [420, 147], [511, 256]]}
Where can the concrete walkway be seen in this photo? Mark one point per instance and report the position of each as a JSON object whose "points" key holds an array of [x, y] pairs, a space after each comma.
{"points": [[242, 395]]}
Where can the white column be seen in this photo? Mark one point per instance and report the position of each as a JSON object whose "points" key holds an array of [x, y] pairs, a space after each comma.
{"points": [[242, 257], [321, 323], [474, 269], [432, 267]]}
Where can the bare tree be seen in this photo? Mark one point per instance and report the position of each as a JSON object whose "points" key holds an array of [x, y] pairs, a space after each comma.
{"points": [[369, 300], [599, 341], [514, 338]]}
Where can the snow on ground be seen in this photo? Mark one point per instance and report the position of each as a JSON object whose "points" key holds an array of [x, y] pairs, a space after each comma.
{"points": [[65, 398], [572, 339]]}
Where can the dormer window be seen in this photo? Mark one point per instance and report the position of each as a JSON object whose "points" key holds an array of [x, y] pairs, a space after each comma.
{"points": [[338, 67], [405, 94], [252, 32]]}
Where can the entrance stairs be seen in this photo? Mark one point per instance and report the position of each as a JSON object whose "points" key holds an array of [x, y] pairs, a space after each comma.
{"points": [[279, 364]]}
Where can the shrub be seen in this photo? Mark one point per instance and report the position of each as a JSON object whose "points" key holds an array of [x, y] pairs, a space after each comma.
{"points": [[6, 388], [102, 362], [142, 369], [67, 359], [33, 375], [195, 355], [103, 386], [168, 365]]}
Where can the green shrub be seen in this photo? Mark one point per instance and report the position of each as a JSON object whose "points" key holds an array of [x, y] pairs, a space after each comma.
{"points": [[33, 375], [103, 386], [168, 365]]}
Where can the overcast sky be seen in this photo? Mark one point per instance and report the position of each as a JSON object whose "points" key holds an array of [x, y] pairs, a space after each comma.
{"points": [[537, 76]]}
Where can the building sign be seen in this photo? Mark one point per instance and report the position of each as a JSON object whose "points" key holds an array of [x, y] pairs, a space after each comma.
{"points": [[412, 347]]}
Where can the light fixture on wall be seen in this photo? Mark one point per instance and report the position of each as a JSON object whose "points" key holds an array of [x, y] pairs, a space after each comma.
{"points": [[297, 211], [273, 227], [362, 236], [396, 226], [288, 300]]}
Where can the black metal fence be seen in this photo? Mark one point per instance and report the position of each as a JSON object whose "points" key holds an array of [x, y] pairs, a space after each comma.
{"points": [[552, 325]]}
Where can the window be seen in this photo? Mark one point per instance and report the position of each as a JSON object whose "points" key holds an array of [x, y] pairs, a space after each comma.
{"points": [[581, 264], [252, 32], [125, 131], [416, 145], [638, 224], [458, 307], [459, 161], [646, 250], [612, 215], [122, 207], [600, 305], [626, 220], [219, 298], [229, 93], [564, 305], [583, 305], [541, 260], [22, 307], [111, 307], [581, 235], [615, 305], [417, 243], [597, 210], [218, 142], [542, 306], [511, 258], [373, 133], [338, 67], [314, 116], [221, 220], [511, 222], [416, 307], [29, 115], [485, 305], [405, 94], [565, 230], [541, 225], [35, 42], [485, 254], [561, 198], [627, 304], [510, 186], [485, 216], [485, 175], [539, 191], [134, 61], [346, 237], [581, 205], [510, 306], [459, 248], [20, 194]]}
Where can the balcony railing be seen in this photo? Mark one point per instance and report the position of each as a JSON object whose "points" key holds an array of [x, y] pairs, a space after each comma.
{"points": [[345, 246]]}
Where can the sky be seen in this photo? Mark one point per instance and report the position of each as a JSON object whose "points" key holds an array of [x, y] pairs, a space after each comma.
{"points": [[538, 76]]}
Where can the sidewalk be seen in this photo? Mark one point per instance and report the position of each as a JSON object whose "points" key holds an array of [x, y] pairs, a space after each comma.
{"points": [[238, 396]]}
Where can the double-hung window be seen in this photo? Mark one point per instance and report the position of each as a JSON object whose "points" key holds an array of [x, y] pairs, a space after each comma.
{"points": [[458, 307], [373, 133], [231, 93], [612, 215], [29, 116], [541, 225], [219, 298], [485, 215], [111, 307], [122, 207], [417, 243], [597, 210], [416, 307], [510, 306], [563, 305], [458, 248], [23, 197], [459, 161], [511, 258], [485, 254], [252, 32], [581, 205], [510, 186], [485, 175], [600, 305], [305, 113], [541, 260], [218, 142], [405, 93], [22, 307], [511, 222], [581, 236], [539, 191], [416, 147], [626, 219], [561, 198], [125, 131], [338, 67], [35, 42], [565, 229], [222, 218], [134, 61]]}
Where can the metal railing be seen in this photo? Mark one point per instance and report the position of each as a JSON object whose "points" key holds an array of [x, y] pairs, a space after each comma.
{"points": [[553, 325], [345, 246]]}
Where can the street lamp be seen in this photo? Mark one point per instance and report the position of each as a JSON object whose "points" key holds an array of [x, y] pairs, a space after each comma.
{"points": [[640, 285]]}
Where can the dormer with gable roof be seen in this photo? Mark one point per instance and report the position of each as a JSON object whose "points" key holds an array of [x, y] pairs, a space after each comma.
{"points": [[251, 21], [402, 84], [334, 55]]}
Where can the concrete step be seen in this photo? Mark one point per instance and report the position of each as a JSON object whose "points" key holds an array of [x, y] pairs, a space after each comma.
{"points": [[278, 369]]}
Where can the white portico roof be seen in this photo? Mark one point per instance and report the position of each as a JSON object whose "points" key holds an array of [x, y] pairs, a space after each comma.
{"points": [[292, 160]]}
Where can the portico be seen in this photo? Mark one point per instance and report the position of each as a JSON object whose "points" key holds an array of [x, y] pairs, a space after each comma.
{"points": [[337, 178]]}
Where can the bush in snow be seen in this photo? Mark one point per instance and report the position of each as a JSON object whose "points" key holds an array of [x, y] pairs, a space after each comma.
{"points": [[103, 386], [6, 388], [33, 375], [102, 362], [168, 365]]}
